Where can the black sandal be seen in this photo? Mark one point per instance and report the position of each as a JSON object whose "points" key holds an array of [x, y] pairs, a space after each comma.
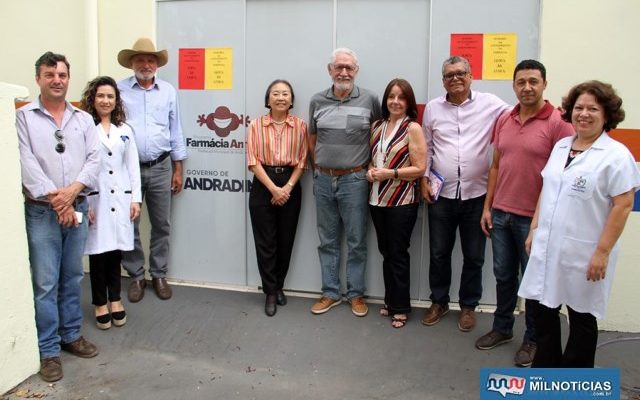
{"points": [[396, 319]]}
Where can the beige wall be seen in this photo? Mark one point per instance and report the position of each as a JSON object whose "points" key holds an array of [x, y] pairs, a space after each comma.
{"points": [[30, 28], [593, 39], [121, 22], [580, 39], [18, 339], [90, 33]]}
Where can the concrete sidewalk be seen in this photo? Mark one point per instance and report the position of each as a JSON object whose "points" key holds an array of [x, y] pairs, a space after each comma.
{"points": [[215, 344]]}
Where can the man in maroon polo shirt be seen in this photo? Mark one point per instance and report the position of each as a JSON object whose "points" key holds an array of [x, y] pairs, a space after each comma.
{"points": [[523, 140]]}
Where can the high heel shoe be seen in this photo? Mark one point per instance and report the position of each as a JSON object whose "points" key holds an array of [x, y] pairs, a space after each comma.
{"points": [[103, 321], [119, 318]]}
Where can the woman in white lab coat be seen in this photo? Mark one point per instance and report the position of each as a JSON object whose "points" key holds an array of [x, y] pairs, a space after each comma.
{"points": [[588, 189], [116, 204]]}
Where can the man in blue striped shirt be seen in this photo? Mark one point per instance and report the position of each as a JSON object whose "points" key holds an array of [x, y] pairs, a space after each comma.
{"points": [[152, 112]]}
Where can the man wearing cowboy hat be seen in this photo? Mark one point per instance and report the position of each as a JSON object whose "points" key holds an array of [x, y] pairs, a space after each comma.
{"points": [[152, 110]]}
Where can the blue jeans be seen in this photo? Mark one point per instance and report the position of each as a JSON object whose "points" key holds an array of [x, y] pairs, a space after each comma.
{"points": [[509, 261], [445, 217], [55, 255], [341, 204]]}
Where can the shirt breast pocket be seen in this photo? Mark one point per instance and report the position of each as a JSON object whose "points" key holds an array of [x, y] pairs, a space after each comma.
{"points": [[582, 184], [160, 115], [357, 123]]}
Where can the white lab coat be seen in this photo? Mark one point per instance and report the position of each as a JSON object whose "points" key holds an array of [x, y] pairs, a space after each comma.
{"points": [[118, 187], [574, 206]]}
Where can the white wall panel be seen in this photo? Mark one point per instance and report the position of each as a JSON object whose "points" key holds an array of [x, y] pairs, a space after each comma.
{"points": [[208, 238], [212, 240]]}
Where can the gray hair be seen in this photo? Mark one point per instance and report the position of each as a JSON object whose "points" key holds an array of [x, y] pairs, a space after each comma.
{"points": [[343, 50], [455, 60]]}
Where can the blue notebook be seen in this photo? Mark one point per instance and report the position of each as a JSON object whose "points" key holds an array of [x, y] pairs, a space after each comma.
{"points": [[436, 181]]}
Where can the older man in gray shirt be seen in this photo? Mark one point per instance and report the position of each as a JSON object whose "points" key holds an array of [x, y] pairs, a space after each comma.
{"points": [[60, 160], [339, 121]]}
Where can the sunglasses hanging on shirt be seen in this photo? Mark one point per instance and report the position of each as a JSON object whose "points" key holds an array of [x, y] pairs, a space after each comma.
{"points": [[60, 147]]}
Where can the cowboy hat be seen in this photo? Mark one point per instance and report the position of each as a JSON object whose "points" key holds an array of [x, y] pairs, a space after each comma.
{"points": [[142, 46]]}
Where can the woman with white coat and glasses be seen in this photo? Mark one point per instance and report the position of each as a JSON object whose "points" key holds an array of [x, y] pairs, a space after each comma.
{"points": [[587, 193]]}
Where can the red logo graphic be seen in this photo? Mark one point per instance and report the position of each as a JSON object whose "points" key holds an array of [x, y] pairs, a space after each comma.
{"points": [[222, 121]]}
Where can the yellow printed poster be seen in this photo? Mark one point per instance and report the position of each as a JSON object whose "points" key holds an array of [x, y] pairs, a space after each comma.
{"points": [[499, 56], [218, 68]]}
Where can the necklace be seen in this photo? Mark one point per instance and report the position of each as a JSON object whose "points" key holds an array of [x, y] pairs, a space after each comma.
{"points": [[279, 122], [574, 152], [584, 144]]}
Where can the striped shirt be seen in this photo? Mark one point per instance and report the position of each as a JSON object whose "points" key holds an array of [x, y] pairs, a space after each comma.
{"points": [[265, 145], [392, 192]]}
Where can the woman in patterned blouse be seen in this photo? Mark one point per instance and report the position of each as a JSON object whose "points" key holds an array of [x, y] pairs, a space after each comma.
{"points": [[398, 159], [277, 155]]}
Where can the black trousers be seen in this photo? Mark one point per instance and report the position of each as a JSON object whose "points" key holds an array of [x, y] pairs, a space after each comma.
{"points": [[445, 217], [274, 230], [394, 226], [104, 271], [580, 351]]}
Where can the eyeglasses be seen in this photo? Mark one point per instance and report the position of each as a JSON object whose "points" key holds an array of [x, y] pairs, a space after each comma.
{"points": [[60, 147], [458, 74], [348, 67]]}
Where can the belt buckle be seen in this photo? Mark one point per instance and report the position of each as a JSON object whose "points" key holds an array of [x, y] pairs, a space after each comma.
{"points": [[279, 170]]}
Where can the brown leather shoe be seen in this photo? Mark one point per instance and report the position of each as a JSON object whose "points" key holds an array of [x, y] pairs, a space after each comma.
{"points": [[162, 288], [434, 313], [492, 339], [324, 304], [51, 369], [466, 320], [525, 354], [358, 307], [136, 290], [81, 347]]}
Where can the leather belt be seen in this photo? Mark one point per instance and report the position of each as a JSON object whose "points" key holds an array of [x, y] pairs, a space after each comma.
{"points": [[158, 160], [339, 172], [112, 191], [29, 200], [278, 170]]}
